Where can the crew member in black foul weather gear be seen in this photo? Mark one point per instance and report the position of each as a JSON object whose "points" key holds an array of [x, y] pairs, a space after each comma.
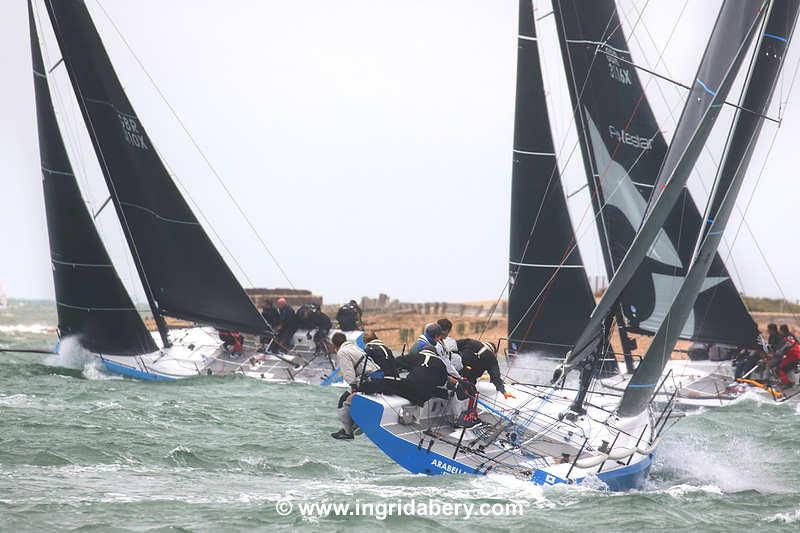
{"points": [[380, 354], [479, 357], [287, 325], [349, 317], [427, 377]]}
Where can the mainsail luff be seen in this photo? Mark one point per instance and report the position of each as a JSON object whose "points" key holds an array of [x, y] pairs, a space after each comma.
{"points": [[91, 301], [623, 150], [549, 294], [734, 29], [183, 273], [759, 89]]}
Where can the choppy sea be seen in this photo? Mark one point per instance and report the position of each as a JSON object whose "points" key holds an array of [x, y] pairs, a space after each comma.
{"points": [[82, 450]]}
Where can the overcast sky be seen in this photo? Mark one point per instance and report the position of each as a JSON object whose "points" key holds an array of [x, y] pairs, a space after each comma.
{"points": [[369, 141]]}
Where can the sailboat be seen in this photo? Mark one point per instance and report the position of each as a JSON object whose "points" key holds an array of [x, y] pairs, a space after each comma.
{"points": [[623, 148], [565, 433], [181, 271]]}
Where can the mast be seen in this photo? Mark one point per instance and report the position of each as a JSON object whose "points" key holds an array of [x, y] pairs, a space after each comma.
{"points": [[549, 294], [741, 143], [623, 149], [183, 273], [735, 27], [91, 301]]}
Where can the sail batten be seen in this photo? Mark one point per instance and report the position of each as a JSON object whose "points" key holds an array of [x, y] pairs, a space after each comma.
{"points": [[183, 274], [735, 27], [549, 294], [623, 149], [742, 139], [91, 301]]}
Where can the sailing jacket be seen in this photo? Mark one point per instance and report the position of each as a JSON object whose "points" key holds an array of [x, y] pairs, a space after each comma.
{"points": [[479, 357], [350, 359]]}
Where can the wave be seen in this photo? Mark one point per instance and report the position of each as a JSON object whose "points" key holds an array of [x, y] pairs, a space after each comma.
{"points": [[785, 518], [74, 356], [21, 329]]}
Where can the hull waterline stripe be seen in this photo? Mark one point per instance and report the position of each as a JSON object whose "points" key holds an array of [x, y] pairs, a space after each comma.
{"points": [[527, 38]]}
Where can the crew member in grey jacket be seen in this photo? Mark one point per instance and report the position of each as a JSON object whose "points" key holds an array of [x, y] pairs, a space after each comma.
{"points": [[352, 363]]}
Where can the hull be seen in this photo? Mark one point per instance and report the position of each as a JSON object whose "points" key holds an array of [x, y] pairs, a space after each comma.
{"points": [[702, 384], [197, 352], [432, 446]]}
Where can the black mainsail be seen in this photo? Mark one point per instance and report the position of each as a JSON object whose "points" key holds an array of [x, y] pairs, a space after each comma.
{"points": [[91, 301], [759, 88], [183, 274], [734, 29], [549, 295], [623, 149]]}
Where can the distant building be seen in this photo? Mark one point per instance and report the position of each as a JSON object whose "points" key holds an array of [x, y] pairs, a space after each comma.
{"points": [[294, 297]]}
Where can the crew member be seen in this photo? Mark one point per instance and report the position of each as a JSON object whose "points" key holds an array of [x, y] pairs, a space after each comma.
{"points": [[270, 315], [479, 357], [287, 325], [352, 363], [349, 317], [381, 355], [448, 347], [427, 375], [429, 339], [791, 357], [232, 341]]}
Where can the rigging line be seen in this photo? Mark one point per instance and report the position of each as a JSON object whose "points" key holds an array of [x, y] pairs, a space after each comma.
{"points": [[576, 191], [174, 176], [197, 147], [102, 160], [680, 84], [670, 108], [74, 147], [554, 171], [70, 127], [706, 148]]}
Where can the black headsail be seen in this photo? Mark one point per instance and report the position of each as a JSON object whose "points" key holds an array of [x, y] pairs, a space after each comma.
{"points": [[623, 149], [735, 27], [91, 301], [759, 88], [549, 295], [183, 274]]}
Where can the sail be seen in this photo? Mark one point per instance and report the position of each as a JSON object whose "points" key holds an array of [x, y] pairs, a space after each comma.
{"points": [[91, 301], [183, 274], [742, 139], [623, 149], [733, 31], [549, 295]]}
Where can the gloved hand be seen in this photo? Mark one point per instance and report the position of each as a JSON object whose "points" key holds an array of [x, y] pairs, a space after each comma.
{"points": [[508, 395]]}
